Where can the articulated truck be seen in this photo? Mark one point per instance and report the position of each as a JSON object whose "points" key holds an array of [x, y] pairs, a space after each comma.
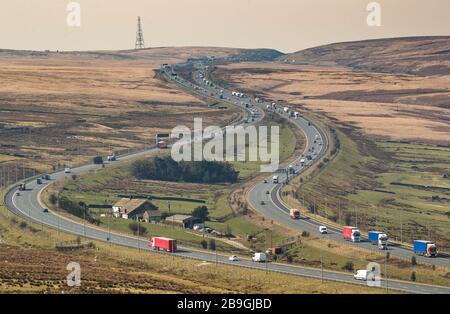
{"points": [[378, 238], [164, 244], [351, 234], [425, 248]]}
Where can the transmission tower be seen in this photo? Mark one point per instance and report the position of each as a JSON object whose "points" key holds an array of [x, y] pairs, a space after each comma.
{"points": [[139, 36]]}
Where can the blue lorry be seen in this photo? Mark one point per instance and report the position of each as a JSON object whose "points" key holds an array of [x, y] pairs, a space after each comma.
{"points": [[379, 238], [425, 248]]}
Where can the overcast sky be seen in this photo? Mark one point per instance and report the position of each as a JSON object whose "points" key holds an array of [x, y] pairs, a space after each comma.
{"points": [[286, 25]]}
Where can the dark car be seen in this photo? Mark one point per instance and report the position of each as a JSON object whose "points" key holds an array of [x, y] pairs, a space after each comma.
{"points": [[45, 210]]}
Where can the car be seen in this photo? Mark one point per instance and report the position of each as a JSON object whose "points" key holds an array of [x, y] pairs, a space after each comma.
{"points": [[265, 181], [67, 170], [45, 210], [323, 230], [263, 203], [233, 258], [267, 192], [17, 193]]}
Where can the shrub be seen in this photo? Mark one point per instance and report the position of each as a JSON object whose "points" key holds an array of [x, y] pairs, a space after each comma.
{"points": [[53, 199], [413, 260], [204, 244], [289, 259], [305, 234], [212, 244], [135, 228], [200, 212], [413, 276], [348, 266]]}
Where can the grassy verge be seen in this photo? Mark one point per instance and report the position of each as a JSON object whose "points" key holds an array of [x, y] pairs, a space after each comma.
{"points": [[129, 271]]}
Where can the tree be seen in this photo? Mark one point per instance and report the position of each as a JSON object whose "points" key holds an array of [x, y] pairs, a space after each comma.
{"points": [[413, 260], [204, 244], [200, 212], [212, 244], [289, 259], [134, 227], [53, 199], [228, 231], [413, 276], [348, 266]]}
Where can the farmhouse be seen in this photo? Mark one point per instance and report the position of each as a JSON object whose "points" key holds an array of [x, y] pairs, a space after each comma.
{"points": [[185, 221], [129, 208], [152, 216]]}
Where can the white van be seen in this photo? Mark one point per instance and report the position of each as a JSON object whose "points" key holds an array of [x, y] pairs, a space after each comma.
{"points": [[364, 274], [259, 257], [323, 230]]}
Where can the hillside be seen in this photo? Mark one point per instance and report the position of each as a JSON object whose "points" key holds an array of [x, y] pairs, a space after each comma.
{"points": [[424, 56]]}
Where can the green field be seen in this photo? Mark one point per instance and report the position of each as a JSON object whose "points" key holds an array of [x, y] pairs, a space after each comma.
{"points": [[103, 187], [396, 187]]}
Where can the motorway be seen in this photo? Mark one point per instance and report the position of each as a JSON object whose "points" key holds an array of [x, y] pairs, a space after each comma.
{"points": [[274, 209], [29, 206]]}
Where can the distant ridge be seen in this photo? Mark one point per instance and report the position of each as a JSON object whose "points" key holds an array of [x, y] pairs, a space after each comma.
{"points": [[426, 55]]}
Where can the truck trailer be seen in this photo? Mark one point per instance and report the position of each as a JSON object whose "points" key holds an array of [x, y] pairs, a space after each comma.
{"points": [[378, 238], [163, 244], [425, 248], [351, 234]]}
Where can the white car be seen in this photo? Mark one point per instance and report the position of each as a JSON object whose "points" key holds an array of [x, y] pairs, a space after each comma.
{"points": [[233, 258], [67, 170], [323, 230]]}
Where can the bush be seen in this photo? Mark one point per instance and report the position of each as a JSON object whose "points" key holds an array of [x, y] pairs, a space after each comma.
{"points": [[305, 234], [289, 259], [413, 260], [212, 244], [348, 266], [134, 227], [200, 212], [204, 244], [23, 225], [166, 169], [413, 276], [79, 209], [53, 199]]}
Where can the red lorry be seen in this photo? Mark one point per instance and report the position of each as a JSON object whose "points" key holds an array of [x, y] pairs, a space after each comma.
{"points": [[351, 234], [162, 243]]}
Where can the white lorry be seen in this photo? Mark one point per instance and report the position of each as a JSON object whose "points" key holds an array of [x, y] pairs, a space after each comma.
{"points": [[275, 179]]}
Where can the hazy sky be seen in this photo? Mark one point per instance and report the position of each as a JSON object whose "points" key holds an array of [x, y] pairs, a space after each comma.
{"points": [[286, 25]]}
